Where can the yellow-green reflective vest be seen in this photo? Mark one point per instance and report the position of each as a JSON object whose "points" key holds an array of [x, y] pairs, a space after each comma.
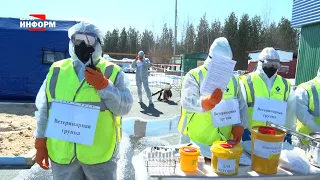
{"points": [[199, 126], [63, 84], [313, 89], [256, 87]]}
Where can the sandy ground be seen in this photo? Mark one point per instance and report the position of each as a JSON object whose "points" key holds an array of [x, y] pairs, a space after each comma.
{"points": [[17, 124]]}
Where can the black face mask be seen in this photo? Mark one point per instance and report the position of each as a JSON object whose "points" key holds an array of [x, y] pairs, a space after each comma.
{"points": [[83, 52], [270, 71]]}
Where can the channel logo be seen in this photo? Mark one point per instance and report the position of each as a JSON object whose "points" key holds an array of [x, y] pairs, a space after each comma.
{"points": [[36, 22]]}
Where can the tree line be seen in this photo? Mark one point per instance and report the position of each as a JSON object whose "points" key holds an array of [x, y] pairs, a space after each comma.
{"points": [[244, 34]]}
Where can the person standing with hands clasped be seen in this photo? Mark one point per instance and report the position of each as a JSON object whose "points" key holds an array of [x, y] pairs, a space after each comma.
{"points": [[142, 65], [197, 120], [265, 89], [84, 78]]}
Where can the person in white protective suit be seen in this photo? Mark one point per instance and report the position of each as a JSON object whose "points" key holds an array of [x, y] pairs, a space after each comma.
{"points": [[85, 78], [308, 110], [142, 65], [196, 119], [266, 83]]}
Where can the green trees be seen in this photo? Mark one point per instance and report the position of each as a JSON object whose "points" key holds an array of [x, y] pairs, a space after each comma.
{"points": [[244, 34]]}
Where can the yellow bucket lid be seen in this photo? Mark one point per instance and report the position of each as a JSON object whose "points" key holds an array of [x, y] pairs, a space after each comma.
{"points": [[225, 147]]}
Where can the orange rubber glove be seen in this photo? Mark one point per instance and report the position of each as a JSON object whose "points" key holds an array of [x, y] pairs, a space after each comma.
{"points": [[237, 132], [42, 157], [96, 78], [211, 101]]}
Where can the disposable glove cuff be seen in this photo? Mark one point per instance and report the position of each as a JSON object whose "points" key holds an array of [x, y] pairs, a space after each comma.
{"points": [[103, 84], [41, 143], [206, 104]]}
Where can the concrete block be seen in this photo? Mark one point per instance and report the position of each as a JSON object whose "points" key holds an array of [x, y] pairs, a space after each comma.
{"points": [[30, 157], [12, 160], [27, 159]]}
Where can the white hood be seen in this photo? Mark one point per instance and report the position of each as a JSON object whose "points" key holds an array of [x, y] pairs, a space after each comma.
{"points": [[268, 55], [85, 27], [221, 47], [95, 55]]}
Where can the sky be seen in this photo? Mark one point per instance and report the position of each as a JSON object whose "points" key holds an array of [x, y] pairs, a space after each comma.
{"points": [[145, 14]]}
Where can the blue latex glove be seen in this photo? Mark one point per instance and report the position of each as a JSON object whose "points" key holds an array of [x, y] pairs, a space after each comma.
{"points": [[288, 138], [246, 135]]}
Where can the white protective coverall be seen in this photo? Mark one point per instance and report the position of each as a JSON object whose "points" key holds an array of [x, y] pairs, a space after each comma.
{"points": [[266, 55], [302, 100], [191, 98], [117, 97], [142, 76]]}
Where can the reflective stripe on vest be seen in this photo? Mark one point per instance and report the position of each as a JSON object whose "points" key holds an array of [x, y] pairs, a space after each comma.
{"points": [[256, 87], [313, 89], [108, 130], [251, 92], [187, 116], [182, 124], [187, 119], [54, 78]]}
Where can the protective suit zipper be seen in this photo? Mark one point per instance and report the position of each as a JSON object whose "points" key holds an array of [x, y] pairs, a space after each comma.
{"points": [[74, 98]]}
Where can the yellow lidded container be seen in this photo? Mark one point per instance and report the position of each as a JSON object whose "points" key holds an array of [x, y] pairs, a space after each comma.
{"points": [[266, 148], [225, 158], [189, 158]]}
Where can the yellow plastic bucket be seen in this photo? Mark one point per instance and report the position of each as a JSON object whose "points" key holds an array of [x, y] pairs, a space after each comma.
{"points": [[189, 158], [225, 158], [266, 148]]}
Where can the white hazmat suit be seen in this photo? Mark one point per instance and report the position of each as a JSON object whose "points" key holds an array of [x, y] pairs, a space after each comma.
{"points": [[116, 96], [142, 75], [270, 57], [303, 114], [191, 98]]}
